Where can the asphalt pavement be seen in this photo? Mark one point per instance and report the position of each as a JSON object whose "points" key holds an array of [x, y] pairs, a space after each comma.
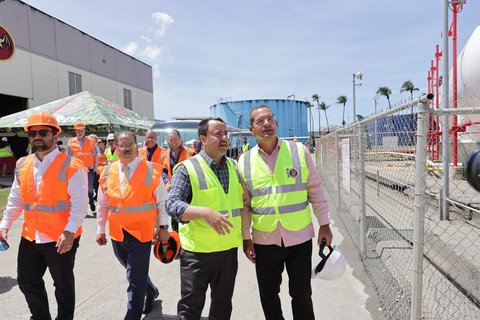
{"points": [[101, 284]]}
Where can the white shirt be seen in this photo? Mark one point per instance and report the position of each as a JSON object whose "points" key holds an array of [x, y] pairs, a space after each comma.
{"points": [[77, 188], [160, 195]]}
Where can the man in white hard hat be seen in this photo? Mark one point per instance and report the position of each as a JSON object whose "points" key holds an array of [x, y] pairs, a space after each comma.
{"points": [[279, 181]]}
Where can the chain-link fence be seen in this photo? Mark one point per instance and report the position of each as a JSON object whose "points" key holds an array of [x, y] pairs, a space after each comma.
{"points": [[413, 217]]}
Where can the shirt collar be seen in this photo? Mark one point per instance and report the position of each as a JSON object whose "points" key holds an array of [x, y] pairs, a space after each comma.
{"points": [[131, 165], [209, 160], [277, 147], [49, 156]]}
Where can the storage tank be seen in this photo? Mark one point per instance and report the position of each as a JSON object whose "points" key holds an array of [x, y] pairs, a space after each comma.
{"points": [[292, 115]]}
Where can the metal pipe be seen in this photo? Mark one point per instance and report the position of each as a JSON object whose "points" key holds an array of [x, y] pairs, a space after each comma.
{"points": [[445, 105], [419, 208], [337, 160], [363, 209], [454, 87]]}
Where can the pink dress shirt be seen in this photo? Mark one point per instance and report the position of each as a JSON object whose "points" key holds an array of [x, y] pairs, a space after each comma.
{"points": [[316, 197]]}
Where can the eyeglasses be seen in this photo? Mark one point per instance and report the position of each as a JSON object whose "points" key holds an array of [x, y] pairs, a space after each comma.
{"points": [[42, 133], [269, 120], [111, 140], [100, 142], [127, 146]]}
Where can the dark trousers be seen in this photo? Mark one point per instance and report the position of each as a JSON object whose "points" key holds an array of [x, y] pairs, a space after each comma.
{"points": [[198, 270], [33, 260], [269, 265], [96, 177], [90, 186], [135, 257]]}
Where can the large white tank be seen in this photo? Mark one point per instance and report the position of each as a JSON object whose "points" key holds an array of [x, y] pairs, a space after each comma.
{"points": [[468, 83]]}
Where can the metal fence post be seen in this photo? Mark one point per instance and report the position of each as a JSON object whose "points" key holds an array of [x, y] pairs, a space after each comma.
{"points": [[419, 207], [337, 160], [363, 210]]}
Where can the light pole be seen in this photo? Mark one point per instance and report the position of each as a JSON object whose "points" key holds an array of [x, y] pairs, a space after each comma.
{"points": [[292, 95], [376, 97], [359, 76]]}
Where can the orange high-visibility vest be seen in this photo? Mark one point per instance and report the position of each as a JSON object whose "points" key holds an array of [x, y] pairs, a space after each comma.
{"points": [[136, 211], [85, 153], [102, 160], [181, 157], [157, 156], [49, 210]]}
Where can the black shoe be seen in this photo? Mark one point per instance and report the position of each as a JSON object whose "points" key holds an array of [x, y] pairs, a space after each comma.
{"points": [[92, 207], [148, 306]]}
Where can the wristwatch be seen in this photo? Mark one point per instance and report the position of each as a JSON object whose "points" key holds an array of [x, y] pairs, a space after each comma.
{"points": [[165, 226]]}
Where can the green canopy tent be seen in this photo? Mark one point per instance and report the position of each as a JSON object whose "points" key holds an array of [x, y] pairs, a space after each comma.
{"points": [[97, 114]]}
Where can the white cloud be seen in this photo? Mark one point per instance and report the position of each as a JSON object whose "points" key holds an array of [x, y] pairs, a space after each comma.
{"points": [[164, 20], [146, 38], [131, 48], [151, 52]]}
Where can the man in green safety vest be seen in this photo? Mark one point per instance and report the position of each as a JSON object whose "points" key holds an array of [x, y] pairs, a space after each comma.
{"points": [[279, 180], [110, 154], [246, 146], [205, 197]]}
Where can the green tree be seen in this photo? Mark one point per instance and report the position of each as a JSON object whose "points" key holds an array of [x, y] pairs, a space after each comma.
{"points": [[385, 91], [310, 106], [342, 100], [316, 98], [323, 106], [408, 86]]}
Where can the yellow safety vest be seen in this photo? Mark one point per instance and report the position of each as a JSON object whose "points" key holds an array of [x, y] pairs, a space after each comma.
{"points": [[282, 197], [246, 147], [198, 235], [109, 156], [4, 153]]}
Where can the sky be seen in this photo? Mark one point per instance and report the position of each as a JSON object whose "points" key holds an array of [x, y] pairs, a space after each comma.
{"points": [[204, 50]]}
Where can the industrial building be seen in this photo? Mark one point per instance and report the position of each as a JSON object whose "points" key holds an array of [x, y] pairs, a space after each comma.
{"points": [[43, 59]]}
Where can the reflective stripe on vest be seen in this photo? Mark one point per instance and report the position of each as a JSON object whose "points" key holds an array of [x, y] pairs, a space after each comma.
{"points": [[197, 235], [148, 182], [17, 168], [264, 199]]}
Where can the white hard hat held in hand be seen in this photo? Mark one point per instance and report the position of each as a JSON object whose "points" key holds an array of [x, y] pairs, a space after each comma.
{"points": [[332, 265]]}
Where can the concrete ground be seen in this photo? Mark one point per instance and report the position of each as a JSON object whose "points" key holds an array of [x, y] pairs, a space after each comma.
{"points": [[101, 284]]}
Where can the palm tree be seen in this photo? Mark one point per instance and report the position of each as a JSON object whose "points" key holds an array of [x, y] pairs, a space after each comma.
{"points": [[323, 106], [408, 86], [316, 98], [310, 106], [342, 100], [385, 91]]}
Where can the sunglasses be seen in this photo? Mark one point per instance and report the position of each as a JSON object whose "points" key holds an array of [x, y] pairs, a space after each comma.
{"points": [[42, 133]]}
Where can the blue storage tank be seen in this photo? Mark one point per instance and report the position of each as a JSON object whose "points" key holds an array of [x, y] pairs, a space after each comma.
{"points": [[236, 112]]}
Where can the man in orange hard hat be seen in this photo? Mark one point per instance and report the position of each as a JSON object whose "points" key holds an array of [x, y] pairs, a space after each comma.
{"points": [[131, 196], [50, 188], [85, 149]]}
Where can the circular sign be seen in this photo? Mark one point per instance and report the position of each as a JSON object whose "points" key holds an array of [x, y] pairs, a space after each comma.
{"points": [[7, 44]]}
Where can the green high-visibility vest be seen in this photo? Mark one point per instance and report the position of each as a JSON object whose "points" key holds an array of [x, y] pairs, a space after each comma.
{"points": [[282, 197], [110, 157], [197, 235], [4, 153], [246, 147]]}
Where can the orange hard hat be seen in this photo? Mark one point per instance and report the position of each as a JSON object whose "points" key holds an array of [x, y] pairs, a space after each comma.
{"points": [[167, 252], [79, 125], [295, 140], [42, 119]]}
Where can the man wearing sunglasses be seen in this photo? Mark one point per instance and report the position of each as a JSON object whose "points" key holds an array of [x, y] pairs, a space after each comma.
{"points": [[131, 196], [50, 188], [85, 149]]}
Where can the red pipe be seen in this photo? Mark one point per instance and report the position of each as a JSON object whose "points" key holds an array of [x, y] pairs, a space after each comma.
{"points": [[454, 88], [437, 56]]}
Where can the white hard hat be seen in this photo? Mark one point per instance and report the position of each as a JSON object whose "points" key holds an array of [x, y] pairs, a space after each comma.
{"points": [[111, 136], [4, 139], [332, 265]]}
